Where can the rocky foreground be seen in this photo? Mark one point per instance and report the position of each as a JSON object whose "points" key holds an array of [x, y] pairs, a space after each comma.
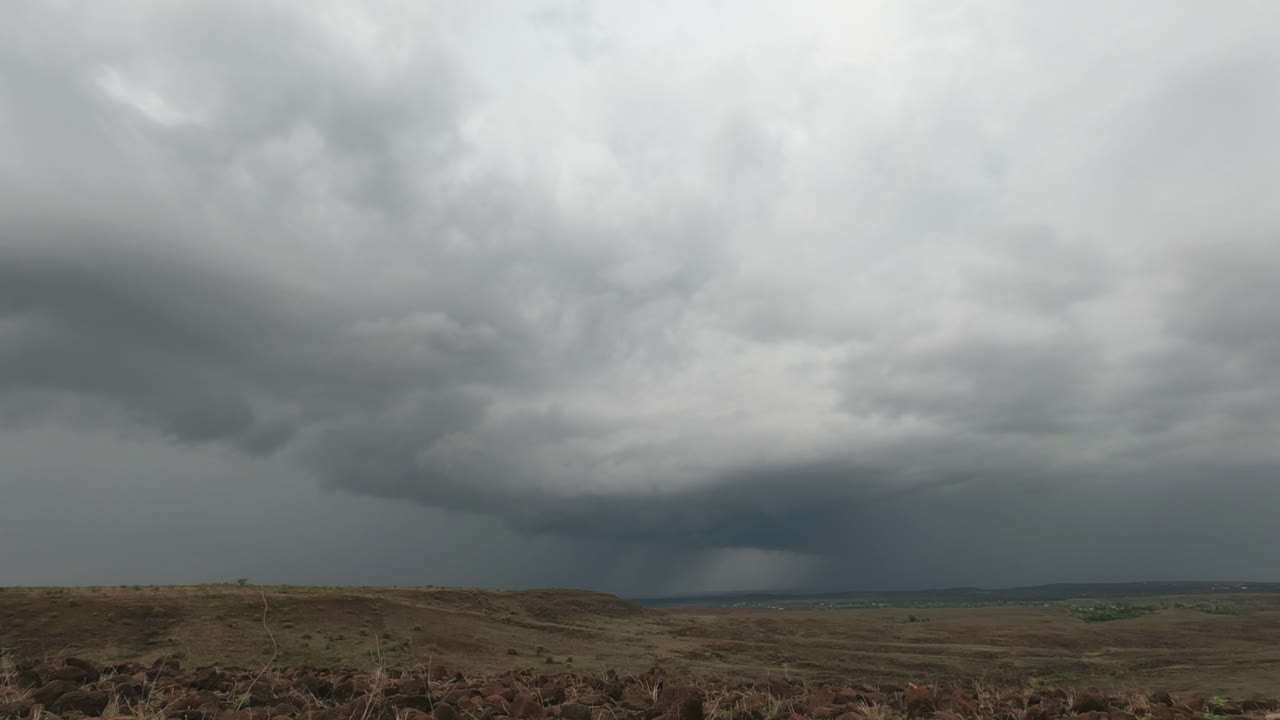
{"points": [[72, 689]]}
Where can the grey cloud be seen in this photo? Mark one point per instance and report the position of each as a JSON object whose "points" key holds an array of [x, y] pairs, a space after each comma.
{"points": [[768, 307]]}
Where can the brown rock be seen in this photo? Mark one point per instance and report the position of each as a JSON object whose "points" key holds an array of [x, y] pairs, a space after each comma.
{"points": [[453, 697], [446, 712], [74, 674], [88, 702], [28, 678], [918, 700], [552, 693], [575, 711], [525, 707], [681, 702], [1090, 702], [208, 678], [89, 668], [1116, 713], [126, 687], [1193, 703], [417, 702], [16, 709], [314, 684], [53, 690], [961, 701]]}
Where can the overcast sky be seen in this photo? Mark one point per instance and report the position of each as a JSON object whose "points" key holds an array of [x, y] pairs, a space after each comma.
{"points": [[649, 297]]}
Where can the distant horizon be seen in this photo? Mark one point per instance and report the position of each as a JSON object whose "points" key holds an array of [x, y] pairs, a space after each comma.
{"points": [[780, 592]]}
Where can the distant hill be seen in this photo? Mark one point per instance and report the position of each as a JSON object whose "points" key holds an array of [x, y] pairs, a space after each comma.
{"points": [[957, 597]]}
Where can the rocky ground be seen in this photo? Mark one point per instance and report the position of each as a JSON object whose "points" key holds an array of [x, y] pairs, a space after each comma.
{"points": [[73, 689]]}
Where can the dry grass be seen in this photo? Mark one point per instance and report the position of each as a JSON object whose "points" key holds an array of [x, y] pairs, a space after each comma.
{"points": [[1179, 650]]}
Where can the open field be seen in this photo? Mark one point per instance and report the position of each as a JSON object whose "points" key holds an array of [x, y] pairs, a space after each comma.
{"points": [[1204, 644]]}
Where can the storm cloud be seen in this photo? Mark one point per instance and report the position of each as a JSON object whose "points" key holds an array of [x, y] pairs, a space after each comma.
{"points": [[681, 296]]}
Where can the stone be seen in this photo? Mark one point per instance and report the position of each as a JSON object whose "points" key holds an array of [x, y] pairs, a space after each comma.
{"points": [[87, 702], [53, 690], [1090, 702]]}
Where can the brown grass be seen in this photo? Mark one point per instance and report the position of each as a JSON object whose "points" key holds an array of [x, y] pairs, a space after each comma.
{"points": [[1178, 650]]}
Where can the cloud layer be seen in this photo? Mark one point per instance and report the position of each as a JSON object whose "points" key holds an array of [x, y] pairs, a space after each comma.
{"points": [[887, 287]]}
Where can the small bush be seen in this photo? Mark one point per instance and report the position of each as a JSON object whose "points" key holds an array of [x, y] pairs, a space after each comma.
{"points": [[512, 651], [1110, 611]]}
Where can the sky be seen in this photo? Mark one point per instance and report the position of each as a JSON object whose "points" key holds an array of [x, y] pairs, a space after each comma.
{"points": [[649, 297]]}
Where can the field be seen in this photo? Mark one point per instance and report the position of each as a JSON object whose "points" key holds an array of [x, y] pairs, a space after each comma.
{"points": [[1225, 645]]}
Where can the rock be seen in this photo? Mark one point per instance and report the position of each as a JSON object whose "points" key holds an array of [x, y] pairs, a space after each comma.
{"points": [[960, 701], [87, 702], [553, 693], [575, 711], [76, 675], [53, 690], [315, 685], [918, 700], [89, 668], [344, 691], [16, 709], [413, 686], [1193, 703], [163, 667], [1090, 702], [681, 702], [28, 678], [260, 695], [126, 687], [208, 678], [417, 702], [525, 707], [453, 697], [1116, 713], [446, 712], [636, 698], [1162, 697]]}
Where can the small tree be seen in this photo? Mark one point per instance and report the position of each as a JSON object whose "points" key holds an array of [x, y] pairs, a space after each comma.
{"points": [[242, 581]]}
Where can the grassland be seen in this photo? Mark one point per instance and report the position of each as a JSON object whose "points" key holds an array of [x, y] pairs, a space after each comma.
{"points": [[1203, 643]]}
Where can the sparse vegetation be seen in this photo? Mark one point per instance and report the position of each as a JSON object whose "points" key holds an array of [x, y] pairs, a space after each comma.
{"points": [[1045, 644], [1106, 612]]}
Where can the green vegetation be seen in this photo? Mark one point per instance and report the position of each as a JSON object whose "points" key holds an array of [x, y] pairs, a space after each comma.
{"points": [[1107, 612]]}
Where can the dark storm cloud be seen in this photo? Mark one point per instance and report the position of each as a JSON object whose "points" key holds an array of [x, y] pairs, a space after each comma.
{"points": [[706, 299]]}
